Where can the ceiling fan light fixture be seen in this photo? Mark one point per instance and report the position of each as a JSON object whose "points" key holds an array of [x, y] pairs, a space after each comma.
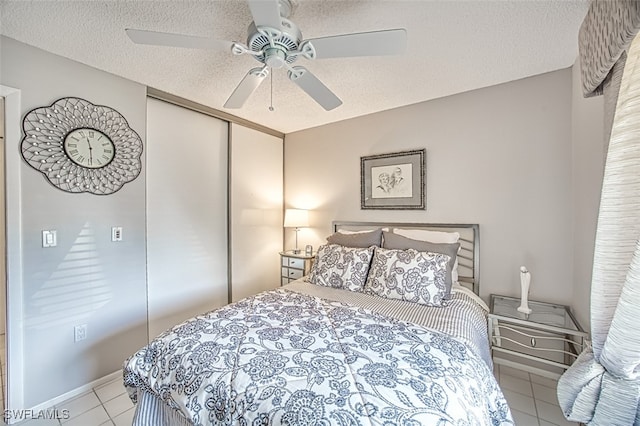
{"points": [[259, 39], [274, 57]]}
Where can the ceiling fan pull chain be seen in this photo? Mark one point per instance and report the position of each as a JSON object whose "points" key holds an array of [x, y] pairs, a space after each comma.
{"points": [[271, 104]]}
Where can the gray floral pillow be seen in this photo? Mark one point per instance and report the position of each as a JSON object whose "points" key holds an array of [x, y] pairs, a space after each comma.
{"points": [[341, 267], [409, 275]]}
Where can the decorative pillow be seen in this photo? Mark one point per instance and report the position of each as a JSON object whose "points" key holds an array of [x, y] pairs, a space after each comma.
{"points": [[361, 239], [427, 235], [341, 267], [409, 275], [347, 232], [398, 242], [433, 237]]}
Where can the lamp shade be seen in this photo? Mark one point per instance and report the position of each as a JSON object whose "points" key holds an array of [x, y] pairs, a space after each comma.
{"points": [[296, 218]]}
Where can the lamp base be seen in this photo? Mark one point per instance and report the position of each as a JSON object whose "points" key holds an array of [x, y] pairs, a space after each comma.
{"points": [[296, 251]]}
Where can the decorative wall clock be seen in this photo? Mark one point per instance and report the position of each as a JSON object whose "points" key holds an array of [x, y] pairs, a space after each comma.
{"points": [[81, 147]]}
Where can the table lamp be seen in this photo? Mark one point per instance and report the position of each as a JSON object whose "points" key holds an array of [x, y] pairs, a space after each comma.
{"points": [[296, 218]]}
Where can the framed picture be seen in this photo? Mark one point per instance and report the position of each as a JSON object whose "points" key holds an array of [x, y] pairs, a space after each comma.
{"points": [[393, 181]]}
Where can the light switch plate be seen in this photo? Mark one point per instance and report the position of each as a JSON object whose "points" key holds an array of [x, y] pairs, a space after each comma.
{"points": [[116, 233], [49, 238]]}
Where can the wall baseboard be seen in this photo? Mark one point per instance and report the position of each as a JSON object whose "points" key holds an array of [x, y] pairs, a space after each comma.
{"points": [[47, 405]]}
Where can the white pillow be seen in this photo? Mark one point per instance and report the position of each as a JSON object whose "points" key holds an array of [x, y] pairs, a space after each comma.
{"points": [[433, 237], [426, 235], [346, 232]]}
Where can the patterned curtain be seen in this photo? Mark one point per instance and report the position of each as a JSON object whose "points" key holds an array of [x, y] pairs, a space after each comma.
{"points": [[603, 386]]}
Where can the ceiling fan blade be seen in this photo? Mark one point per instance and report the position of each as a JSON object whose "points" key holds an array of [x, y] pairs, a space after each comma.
{"points": [[247, 86], [266, 13], [374, 43], [314, 88], [176, 40]]}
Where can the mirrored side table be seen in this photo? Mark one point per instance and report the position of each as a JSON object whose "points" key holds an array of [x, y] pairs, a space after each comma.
{"points": [[546, 341], [294, 266]]}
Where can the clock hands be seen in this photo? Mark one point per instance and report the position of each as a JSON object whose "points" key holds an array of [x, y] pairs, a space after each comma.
{"points": [[90, 152]]}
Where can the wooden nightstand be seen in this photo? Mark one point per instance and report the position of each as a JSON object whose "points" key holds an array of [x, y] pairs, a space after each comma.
{"points": [[294, 266], [545, 342]]}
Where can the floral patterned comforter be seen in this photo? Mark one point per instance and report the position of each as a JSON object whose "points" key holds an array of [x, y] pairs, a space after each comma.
{"points": [[285, 358]]}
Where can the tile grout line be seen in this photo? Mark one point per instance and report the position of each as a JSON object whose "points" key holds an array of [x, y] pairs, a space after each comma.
{"points": [[536, 402], [535, 405], [102, 404]]}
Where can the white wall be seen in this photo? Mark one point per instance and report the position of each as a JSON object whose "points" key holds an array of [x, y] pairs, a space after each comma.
{"points": [[107, 290], [500, 157], [256, 210], [186, 214], [588, 157], [3, 237]]}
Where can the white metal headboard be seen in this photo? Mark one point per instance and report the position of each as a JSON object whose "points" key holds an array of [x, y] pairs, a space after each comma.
{"points": [[468, 257]]}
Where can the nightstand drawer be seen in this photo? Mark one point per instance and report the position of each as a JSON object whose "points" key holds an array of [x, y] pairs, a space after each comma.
{"points": [[296, 263], [533, 342], [294, 274]]}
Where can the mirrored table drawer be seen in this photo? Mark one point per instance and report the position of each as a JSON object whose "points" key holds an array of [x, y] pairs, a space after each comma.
{"points": [[294, 266]]}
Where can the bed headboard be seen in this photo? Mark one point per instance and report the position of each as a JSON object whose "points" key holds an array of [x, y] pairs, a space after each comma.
{"points": [[468, 257]]}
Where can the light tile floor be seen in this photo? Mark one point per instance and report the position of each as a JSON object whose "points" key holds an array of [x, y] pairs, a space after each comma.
{"points": [[532, 398], [105, 405]]}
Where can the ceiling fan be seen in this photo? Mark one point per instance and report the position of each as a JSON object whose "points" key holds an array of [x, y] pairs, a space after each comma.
{"points": [[276, 42]]}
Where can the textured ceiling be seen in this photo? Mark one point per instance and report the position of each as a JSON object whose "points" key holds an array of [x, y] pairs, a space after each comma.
{"points": [[452, 47]]}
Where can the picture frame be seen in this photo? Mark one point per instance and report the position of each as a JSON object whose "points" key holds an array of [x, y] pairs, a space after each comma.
{"points": [[394, 181]]}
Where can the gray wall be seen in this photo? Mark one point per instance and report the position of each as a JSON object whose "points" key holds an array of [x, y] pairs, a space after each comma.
{"points": [[500, 157], [105, 286]]}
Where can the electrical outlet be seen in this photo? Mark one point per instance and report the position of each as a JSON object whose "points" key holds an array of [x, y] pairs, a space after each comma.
{"points": [[80, 332]]}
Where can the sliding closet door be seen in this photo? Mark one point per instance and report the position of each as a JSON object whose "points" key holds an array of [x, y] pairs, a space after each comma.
{"points": [[256, 211], [187, 257]]}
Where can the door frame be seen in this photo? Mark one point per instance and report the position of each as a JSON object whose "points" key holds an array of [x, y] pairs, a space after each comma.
{"points": [[14, 323]]}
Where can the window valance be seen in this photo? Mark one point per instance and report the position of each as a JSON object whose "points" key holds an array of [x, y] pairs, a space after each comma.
{"points": [[606, 32]]}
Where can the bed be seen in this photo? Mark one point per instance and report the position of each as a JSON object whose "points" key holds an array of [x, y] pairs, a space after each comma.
{"points": [[333, 351]]}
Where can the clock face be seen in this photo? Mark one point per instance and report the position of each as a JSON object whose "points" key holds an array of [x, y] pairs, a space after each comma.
{"points": [[89, 148]]}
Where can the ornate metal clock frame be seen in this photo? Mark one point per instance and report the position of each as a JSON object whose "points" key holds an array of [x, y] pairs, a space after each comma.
{"points": [[81, 147]]}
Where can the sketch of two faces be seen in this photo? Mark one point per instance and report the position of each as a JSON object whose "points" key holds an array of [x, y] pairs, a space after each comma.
{"points": [[392, 181]]}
